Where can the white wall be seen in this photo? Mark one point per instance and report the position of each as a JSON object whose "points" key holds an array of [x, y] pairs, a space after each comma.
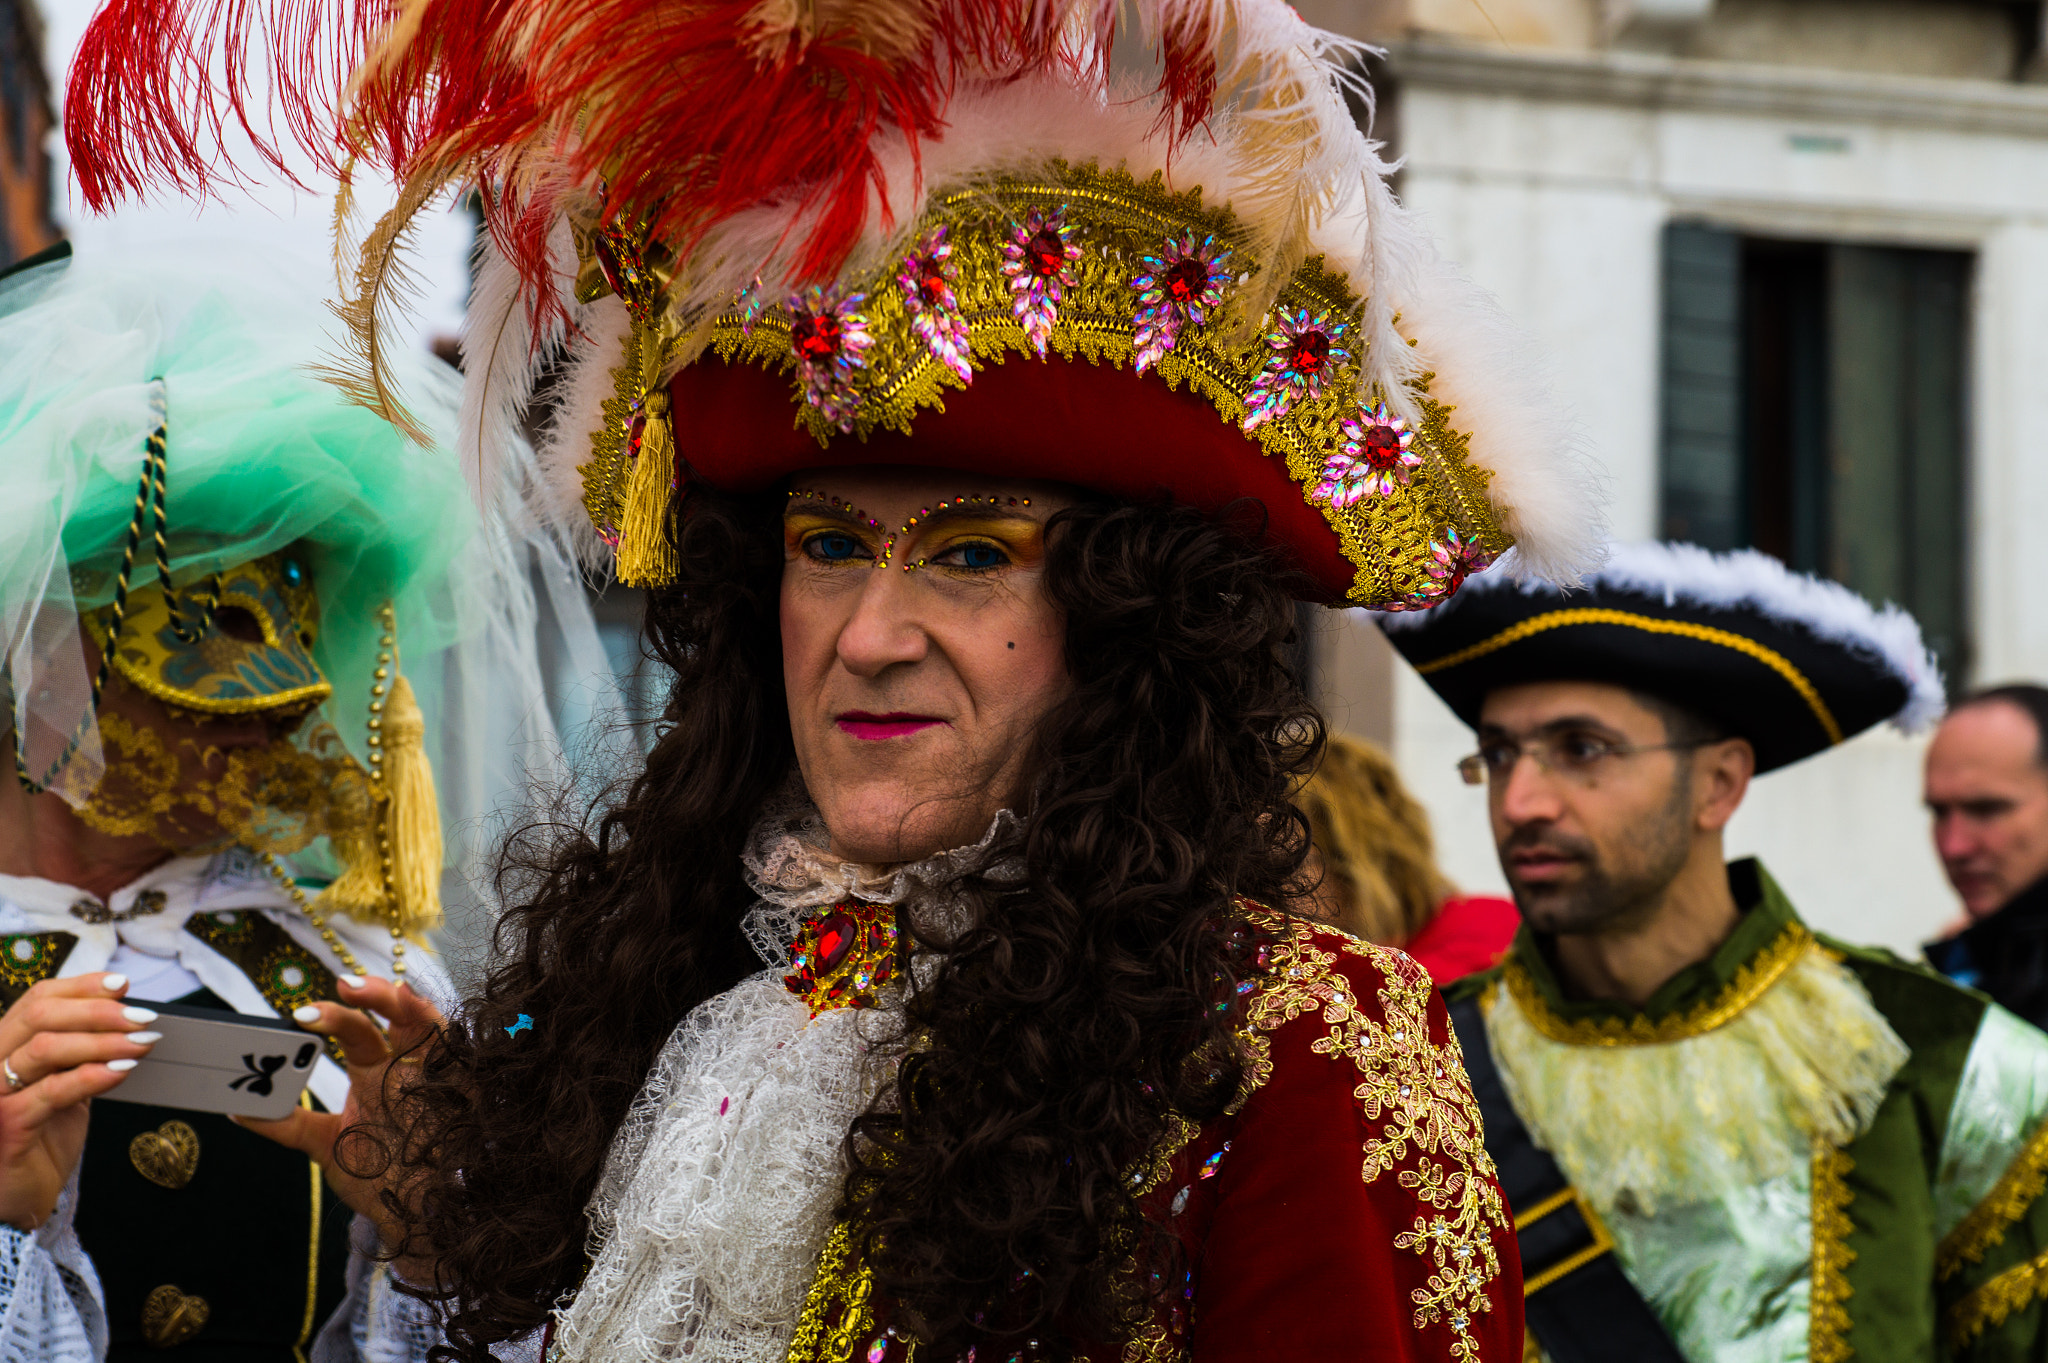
{"points": [[1550, 180], [270, 216]]}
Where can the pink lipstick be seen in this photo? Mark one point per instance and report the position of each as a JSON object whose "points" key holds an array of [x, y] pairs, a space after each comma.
{"points": [[871, 727]]}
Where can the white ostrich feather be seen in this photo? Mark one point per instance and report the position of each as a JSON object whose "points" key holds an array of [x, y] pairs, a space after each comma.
{"points": [[502, 351], [1745, 578], [600, 332]]}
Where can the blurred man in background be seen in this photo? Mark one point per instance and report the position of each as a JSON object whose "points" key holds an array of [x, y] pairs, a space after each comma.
{"points": [[1987, 788]]}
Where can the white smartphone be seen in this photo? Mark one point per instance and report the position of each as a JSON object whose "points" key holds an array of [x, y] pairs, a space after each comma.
{"points": [[211, 1061]]}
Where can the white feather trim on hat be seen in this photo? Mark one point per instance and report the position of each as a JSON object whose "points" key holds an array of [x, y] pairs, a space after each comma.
{"points": [[1745, 578]]}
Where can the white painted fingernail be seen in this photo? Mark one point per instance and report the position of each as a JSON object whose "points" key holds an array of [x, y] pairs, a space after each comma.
{"points": [[306, 1013], [121, 1066], [113, 984], [145, 1038], [139, 1014], [352, 981]]}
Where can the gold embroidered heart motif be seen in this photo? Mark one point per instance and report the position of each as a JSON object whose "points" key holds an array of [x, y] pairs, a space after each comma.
{"points": [[170, 1317], [167, 1156]]}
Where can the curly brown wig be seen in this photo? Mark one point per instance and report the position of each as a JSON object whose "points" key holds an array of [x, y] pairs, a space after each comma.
{"points": [[1057, 1037]]}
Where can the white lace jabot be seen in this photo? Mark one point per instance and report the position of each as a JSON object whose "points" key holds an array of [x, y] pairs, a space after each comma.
{"points": [[718, 1193]]}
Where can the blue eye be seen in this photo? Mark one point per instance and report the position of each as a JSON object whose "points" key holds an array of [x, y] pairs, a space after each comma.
{"points": [[981, 556], [834, 548]]}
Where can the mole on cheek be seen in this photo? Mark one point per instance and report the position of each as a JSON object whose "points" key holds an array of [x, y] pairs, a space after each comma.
{"points": [[1013, 643]]}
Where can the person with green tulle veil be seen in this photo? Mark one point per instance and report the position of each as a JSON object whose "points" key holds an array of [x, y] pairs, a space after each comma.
{"points": [[247, 624]]}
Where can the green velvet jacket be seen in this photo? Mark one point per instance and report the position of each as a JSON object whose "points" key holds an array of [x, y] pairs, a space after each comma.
{"points": [[1926, 1237]]}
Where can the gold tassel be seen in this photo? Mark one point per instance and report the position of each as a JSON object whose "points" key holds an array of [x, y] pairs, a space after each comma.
{"points": [[646, 558], [412, 816], [359, 891]]}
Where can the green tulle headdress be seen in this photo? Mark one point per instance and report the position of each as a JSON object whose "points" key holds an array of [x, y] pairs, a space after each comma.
{"points": [[259, 457]]}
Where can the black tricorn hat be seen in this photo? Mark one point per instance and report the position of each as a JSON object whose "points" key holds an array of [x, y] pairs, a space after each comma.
{"points": [[1792, 663]]}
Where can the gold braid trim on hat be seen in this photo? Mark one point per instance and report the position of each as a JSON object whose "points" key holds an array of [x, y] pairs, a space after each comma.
{"points": [[1756, 976], [1686, 629], [1414, 524]]}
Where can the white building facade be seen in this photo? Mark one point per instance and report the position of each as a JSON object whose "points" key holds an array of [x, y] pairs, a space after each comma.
{"points": [[1789, 260]]}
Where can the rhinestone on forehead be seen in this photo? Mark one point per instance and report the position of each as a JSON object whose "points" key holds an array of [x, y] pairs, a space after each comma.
{"points": [[964, 499]]}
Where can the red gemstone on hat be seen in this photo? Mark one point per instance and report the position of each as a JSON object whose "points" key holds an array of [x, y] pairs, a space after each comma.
{"points": [[1185, 279], [815, 335], [1382, 445], [932, 287], [1309, 352], [1046, 252], [835, 939]]}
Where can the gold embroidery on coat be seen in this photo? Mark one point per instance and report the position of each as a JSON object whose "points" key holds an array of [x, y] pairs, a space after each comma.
{"points": [[839, 1310], [1417, 1093], [1827, 1317], [2023, 1181], [1757, 975]]}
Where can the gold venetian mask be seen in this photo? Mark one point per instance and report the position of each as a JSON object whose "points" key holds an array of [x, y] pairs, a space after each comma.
{"points": [[254, 654], [251, 658]]}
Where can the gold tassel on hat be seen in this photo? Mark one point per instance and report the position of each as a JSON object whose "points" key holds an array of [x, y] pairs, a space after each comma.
{"points": [[646, 558]]}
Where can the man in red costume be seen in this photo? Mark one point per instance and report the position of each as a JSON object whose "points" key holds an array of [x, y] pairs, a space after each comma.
{"points": [[974, 422]]}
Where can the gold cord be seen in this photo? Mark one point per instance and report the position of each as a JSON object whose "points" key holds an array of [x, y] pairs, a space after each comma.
{"points": [[380, 686], [316, 918]]}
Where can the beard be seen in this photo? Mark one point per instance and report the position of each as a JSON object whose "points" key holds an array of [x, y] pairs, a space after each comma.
{"points": [[1612, 886]]}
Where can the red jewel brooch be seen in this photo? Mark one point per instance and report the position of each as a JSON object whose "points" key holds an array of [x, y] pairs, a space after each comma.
{"points": [[845, 957]]}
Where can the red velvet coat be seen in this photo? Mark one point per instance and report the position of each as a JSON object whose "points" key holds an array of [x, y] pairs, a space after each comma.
{"points": [[1349, 1210], [1346, 1211]]}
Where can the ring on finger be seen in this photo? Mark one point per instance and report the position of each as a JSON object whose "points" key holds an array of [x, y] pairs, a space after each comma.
{"points": [[15, 1083]]}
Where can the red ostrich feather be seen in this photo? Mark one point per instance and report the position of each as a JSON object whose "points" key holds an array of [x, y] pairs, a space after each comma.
{"points": [[688, 110]]}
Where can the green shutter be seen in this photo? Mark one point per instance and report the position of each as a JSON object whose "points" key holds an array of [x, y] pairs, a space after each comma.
{"points": [[1703, 488], [1897, 401]]}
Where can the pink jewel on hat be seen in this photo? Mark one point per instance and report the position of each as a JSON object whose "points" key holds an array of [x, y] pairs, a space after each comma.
{"points": [[1038, 259], [1302, 350], [927, 278], [829, 336], [1180, 285]]}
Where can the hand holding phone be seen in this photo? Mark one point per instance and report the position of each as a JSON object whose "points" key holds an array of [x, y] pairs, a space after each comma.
{"points": [[212, 1061], [372, 1055], [61, 1043]]}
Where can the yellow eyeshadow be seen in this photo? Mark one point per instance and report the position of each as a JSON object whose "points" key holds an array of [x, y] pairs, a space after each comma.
{"points": [[797, 525], [1025, 538]]}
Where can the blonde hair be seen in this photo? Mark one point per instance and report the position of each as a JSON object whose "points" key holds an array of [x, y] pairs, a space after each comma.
{"points": [[1379, 861]]}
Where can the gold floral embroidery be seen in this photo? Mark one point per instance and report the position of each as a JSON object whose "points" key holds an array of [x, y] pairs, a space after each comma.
{"points": [[1762, 971], [1827, 1317], [1415, 1089], [839, 1310], [1417, 1093], [2017, 1188]]}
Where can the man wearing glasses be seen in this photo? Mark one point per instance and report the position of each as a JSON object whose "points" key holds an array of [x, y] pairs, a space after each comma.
{"points": [[1723, 1136]]}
